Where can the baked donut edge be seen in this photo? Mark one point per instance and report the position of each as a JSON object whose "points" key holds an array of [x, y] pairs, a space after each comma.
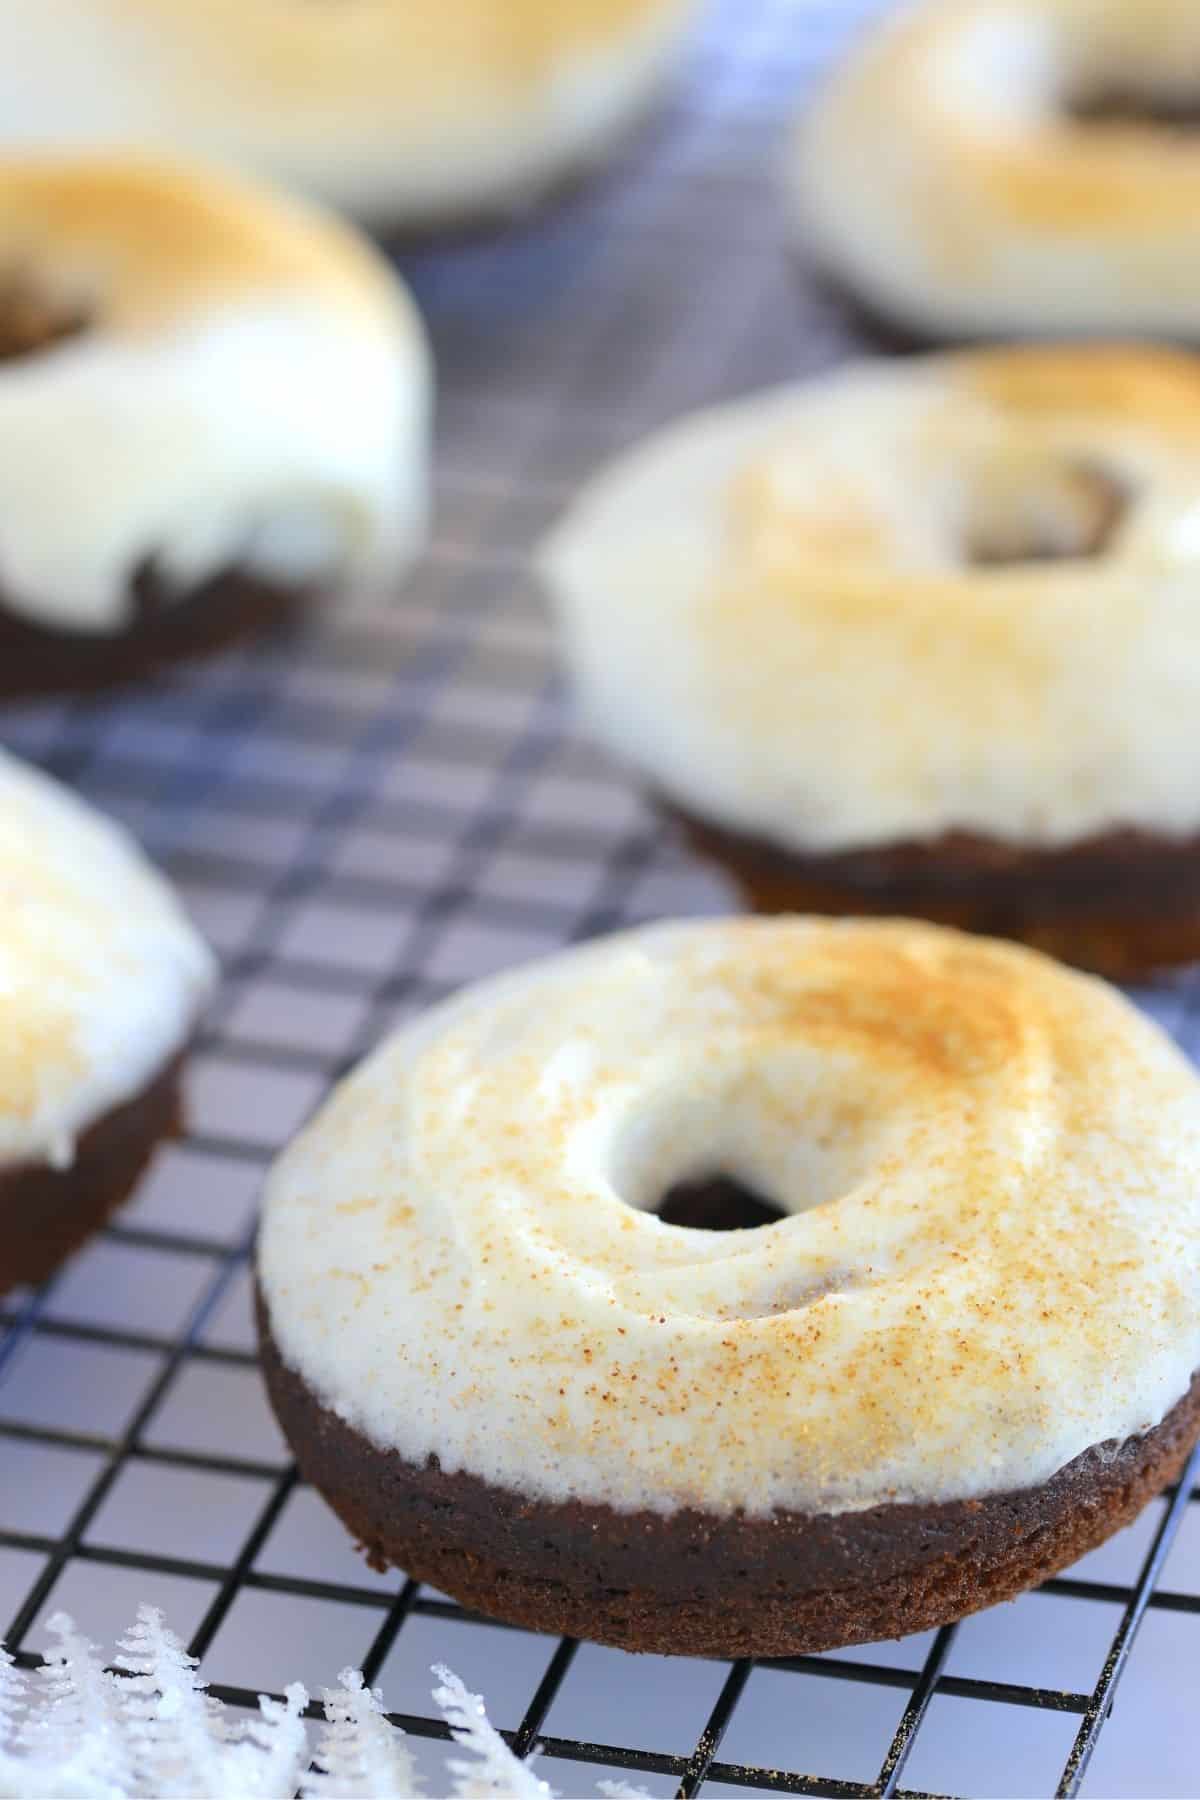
{"points": [[703, 1584]]}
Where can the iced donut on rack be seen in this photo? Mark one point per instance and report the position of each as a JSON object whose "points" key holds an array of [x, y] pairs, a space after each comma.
{"points": [[745, 1287], [981, 167], [213, 402], [918, 637], [410, 114], [102, 979]]}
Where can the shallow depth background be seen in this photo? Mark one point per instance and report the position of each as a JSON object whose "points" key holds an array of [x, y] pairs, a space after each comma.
{"points": [[395, 802]]}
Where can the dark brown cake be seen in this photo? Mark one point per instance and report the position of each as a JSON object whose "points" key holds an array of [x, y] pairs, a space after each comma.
{"points": [[1123, 903], [222, 612], [45, 1213], [694, 1583]]}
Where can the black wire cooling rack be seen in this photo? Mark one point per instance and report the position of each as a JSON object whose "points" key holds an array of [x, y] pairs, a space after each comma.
{"points": [[389, 802]]}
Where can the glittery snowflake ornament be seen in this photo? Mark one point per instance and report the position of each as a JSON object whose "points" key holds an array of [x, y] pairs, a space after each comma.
{"points": [[76, 1731]]}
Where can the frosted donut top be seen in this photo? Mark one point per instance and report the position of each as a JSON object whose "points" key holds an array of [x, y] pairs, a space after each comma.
{"points": [[819, 616], [248, 387], [991, 1261], [401, 110], [951, 174], [101, 975]]}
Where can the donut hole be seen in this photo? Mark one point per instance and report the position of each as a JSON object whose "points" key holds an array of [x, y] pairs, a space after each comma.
{"points": [[34, 318], [716, 1202], [748, 1144], [1066, 512]]}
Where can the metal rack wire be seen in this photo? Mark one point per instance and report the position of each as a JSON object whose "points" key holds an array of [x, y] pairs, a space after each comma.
{"points": [[391, 801]]}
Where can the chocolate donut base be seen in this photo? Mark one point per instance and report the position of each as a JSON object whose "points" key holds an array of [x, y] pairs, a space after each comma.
{"points": [[233, 606], [878, 332], [1123, 903], [882, 329], [46, 1213], [693, 1583], [474, 224]]}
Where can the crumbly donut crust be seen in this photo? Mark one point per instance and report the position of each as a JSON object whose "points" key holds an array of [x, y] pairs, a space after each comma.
{"points": [[46, 1212]]}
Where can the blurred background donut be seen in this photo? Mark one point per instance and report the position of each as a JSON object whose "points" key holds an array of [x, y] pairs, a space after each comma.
{"points": [[1013, 166], [918, 636], [213, 399], [406, 113]]}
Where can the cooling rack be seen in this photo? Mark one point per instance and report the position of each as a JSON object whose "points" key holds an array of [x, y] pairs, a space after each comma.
{"points": [[362, 815]]}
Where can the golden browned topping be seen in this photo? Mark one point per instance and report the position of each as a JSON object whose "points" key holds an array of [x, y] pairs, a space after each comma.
{"points": [[134, 245]]}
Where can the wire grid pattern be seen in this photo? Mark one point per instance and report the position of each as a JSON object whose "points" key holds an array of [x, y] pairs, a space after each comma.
{"points": [[365, 813]]}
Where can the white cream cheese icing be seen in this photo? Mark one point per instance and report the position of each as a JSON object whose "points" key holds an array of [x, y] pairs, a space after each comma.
{"points": [[101, 975], [250, 388], [771, 609], [991, 1260]]}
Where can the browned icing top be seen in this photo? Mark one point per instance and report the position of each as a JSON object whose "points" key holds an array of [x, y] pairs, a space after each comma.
{"points": [[141, 244], [295, 53]]}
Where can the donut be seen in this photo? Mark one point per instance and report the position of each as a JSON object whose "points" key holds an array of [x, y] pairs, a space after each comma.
{"points": [[410, 115], [103, 979], [525, 1348], [211, 398], [917, 637], [980, 167]]}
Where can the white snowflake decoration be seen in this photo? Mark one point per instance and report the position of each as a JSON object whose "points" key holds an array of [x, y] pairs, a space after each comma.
{"points": [[360, 1756], [73, 1742], [75, 1731], [496, 1770]]}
